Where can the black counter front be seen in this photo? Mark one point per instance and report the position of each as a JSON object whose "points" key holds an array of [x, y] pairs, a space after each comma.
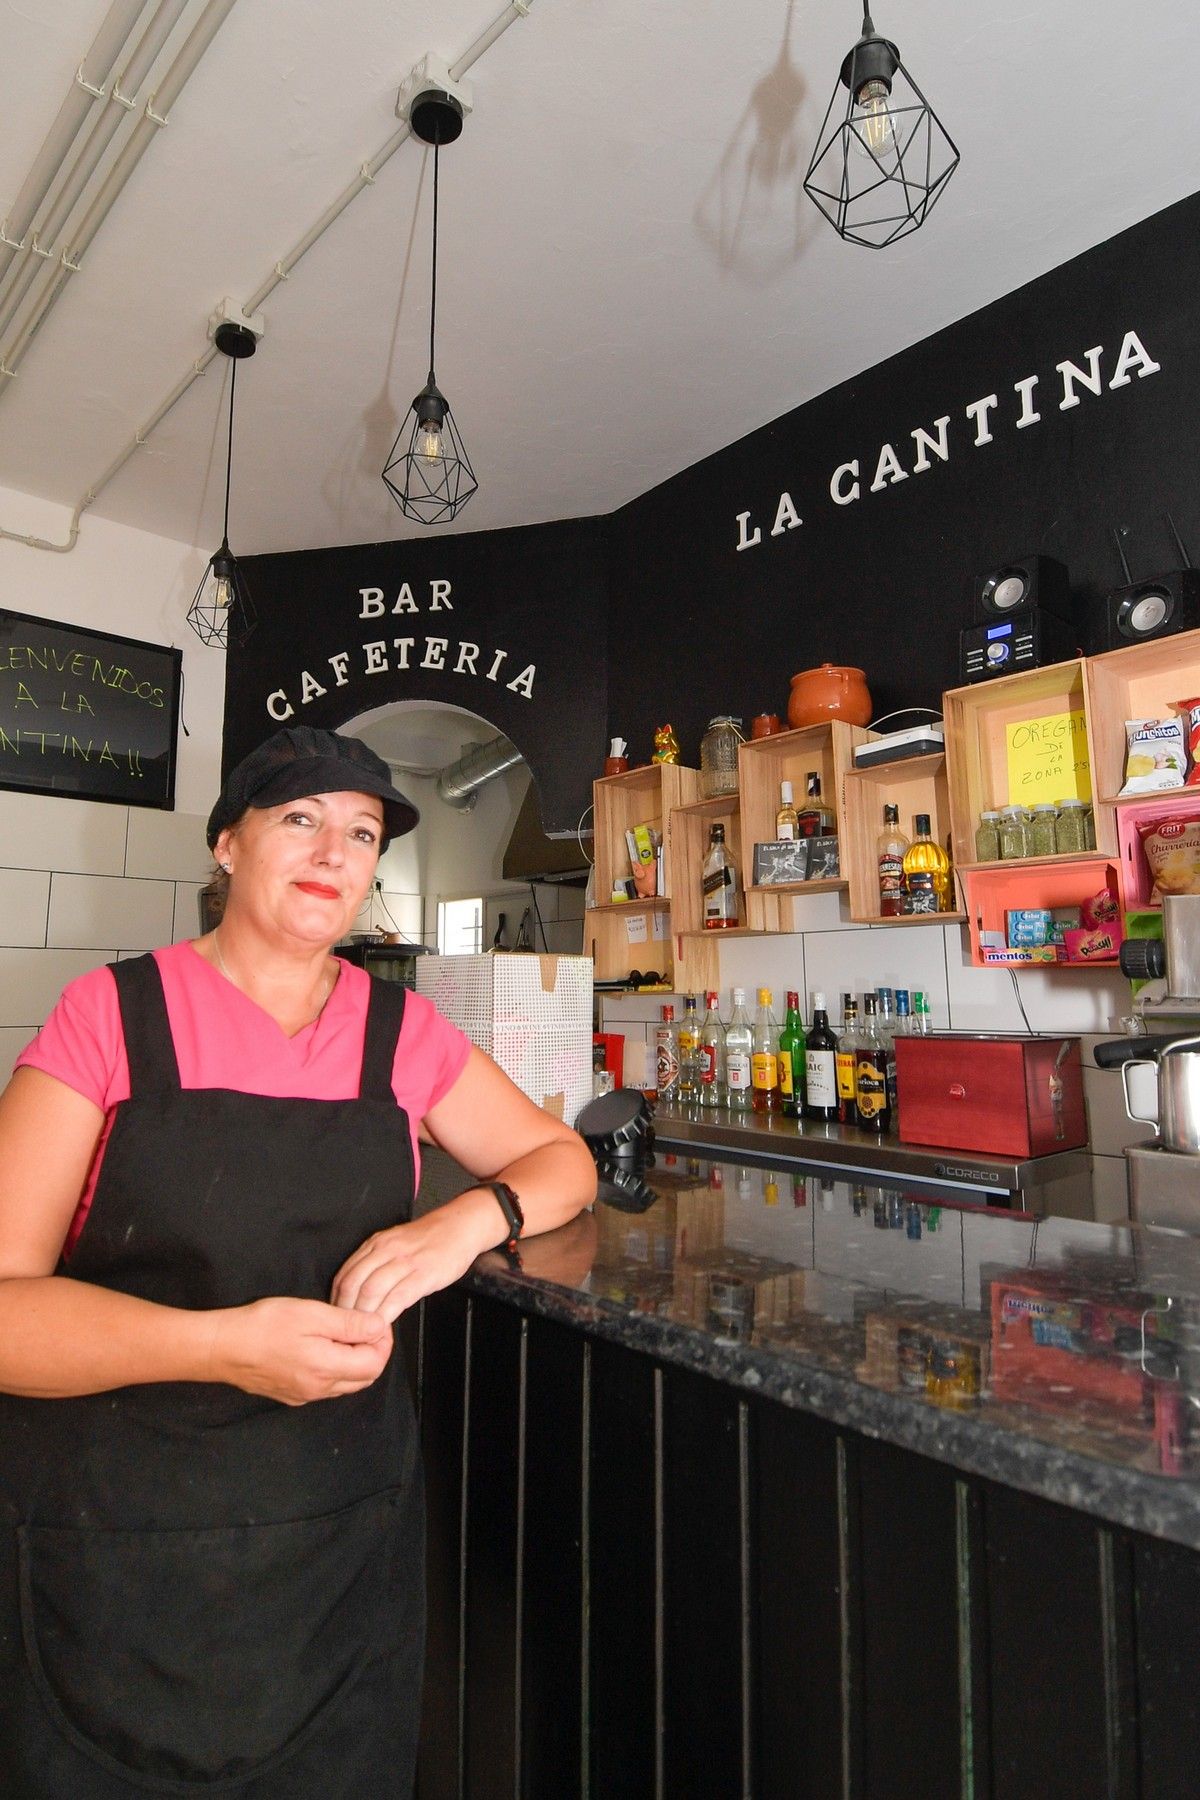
{"points": [[790, 1484]]}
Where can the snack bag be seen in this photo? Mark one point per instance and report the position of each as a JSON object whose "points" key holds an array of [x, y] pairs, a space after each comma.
{"points": [[1154, 755], [1189, 711], [1172, 851]]}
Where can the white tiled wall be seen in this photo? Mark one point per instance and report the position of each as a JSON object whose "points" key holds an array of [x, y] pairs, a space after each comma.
{"points": [[834, 956], [81, 883]]}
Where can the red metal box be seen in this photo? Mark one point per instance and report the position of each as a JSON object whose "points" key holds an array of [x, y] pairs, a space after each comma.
{"points": [[997, 1095]]}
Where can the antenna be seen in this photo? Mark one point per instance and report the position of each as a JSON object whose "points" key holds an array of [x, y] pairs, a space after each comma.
{"points": [[1179, 543], [1120, 532]]}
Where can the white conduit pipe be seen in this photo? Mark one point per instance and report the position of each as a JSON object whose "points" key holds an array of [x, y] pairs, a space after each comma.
{"points": [[518, 9], [87, 91], [88, 159], [154, 116]]}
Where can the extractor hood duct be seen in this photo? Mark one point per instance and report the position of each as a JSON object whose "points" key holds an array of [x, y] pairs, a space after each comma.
{"points": [[532, 856], [459, 782]]}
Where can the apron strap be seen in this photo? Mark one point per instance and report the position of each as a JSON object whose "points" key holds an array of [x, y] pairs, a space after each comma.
{"points": [[148, 1042], [385, 1015]]}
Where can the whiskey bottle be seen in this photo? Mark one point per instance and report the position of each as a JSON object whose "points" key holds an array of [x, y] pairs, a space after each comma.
{"points": [[719, 883], [891, 845]]}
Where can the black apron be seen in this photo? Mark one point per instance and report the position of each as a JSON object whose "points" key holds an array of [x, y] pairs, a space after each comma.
{"points": [[202, 1591]]}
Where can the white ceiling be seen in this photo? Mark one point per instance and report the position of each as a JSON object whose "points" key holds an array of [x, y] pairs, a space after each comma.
{"points": [[630, 274]]}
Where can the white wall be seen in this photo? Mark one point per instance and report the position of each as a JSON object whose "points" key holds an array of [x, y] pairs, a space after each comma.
{"points": [[81, 881]]}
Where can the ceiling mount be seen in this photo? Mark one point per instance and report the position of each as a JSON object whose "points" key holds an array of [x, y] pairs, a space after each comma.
{"points": [[433, 102], [235, 340]]}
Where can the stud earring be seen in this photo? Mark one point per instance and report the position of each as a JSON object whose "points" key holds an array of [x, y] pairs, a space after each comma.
{"points": [[228, 868]]}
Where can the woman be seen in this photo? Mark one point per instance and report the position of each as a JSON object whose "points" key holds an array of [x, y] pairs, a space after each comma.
{"points": [[210, 1518]]}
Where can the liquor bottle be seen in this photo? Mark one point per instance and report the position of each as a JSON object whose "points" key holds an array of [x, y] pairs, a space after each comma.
{"points": [[820, 1071], [922, 1023], [885, 1024], [666, 1056], [764, 1057], [712, 1055], [815, 818], [739, 1045], [786, 818], [689, 1051], [890, 848], [926, 872], [846, 1061], [870, 1074], [791, 1059], [719, 882]]}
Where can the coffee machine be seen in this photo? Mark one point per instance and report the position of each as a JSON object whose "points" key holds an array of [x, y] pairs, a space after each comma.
{"points": [[1164, 1176]]}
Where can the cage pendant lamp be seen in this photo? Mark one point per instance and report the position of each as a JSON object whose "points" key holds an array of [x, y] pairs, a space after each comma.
{"points": [[222, 611], [428, 472], [883, 157]]}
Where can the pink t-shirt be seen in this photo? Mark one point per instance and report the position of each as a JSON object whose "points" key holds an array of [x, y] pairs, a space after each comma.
{"points": [[223, 1040]]}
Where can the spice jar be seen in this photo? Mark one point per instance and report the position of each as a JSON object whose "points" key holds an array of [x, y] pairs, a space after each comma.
{"points": [[1042, 841], [1014, 833], [719, 756], [987, 837], [1071, 831]]}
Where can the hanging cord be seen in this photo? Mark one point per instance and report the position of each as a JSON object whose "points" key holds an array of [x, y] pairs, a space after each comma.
{"points": [[433, 281], [233, 363]]}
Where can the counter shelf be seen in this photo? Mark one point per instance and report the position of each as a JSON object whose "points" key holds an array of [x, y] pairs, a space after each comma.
{"points": [[1036, 1185]]}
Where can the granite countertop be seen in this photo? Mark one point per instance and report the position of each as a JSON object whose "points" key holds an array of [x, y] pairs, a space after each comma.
{"points": [[1056, 1355]]}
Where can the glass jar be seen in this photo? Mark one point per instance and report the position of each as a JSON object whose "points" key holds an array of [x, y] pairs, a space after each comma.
{"points": [[718, 756], [1042, 839], [987, 837], [1014, 833], [1089, 827], [1071, 831]]}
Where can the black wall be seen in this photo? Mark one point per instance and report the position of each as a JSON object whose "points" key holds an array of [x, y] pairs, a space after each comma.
{"points": [[885, 583], [537, 593], [654, 613]]}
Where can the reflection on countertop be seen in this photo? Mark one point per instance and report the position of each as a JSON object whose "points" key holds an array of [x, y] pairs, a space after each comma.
{"points": [[1058, 1355]]}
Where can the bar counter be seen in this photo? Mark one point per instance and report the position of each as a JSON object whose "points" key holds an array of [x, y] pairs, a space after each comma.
{"points": [[811, 1485]]}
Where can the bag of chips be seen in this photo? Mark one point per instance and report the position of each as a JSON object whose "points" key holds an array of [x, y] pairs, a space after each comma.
{"points": [[1155, 759], [1189, 711], [1172, 852]]}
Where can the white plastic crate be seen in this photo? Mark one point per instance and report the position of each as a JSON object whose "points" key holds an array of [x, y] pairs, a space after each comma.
{"points": [[532, 1014]]}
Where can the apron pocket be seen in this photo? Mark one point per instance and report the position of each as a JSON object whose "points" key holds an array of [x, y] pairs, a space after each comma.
{"points": [[200, 1657]]}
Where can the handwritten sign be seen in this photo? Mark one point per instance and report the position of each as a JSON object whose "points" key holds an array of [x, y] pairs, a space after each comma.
{"points": [[1048, 759], [86, 713]]}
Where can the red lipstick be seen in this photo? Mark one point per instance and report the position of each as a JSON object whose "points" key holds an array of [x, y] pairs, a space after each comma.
{"points": [[319, 889]]}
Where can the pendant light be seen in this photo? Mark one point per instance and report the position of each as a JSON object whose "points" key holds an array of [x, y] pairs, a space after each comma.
{"points": [[883, 156], [428, 472], [222, 611]]}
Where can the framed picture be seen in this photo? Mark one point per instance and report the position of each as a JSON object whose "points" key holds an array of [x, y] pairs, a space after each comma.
{"points": [[783, 861], [86, 713], [824, 863]]}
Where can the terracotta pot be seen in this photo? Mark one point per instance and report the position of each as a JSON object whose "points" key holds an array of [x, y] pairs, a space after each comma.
{"points": [[830, 692], [764, 725]]}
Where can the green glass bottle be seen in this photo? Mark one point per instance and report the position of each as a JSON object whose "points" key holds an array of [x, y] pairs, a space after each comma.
{"points": [[791, 1058]]}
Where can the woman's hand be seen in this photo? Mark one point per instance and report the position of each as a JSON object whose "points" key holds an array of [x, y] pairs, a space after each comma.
{"points": [[396, 1268], [298, 1350]]}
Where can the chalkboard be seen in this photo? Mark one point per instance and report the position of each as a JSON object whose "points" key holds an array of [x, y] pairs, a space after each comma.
{"points": [[86, 713]]}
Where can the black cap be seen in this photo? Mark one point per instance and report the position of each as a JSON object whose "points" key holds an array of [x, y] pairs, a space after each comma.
{"points": [[303, 760]]}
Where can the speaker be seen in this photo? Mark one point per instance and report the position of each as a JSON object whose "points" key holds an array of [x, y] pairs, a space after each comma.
{"points": [[1155, 608], [1018, 586]]}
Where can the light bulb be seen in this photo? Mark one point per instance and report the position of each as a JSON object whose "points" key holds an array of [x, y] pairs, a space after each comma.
{"points": [[223, 591], [874, 126], [429, 441]]}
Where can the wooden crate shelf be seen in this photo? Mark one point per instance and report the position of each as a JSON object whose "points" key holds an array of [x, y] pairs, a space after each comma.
{"points": [[977, 720], [688, 830], [915, 784], [1143, 681]]}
